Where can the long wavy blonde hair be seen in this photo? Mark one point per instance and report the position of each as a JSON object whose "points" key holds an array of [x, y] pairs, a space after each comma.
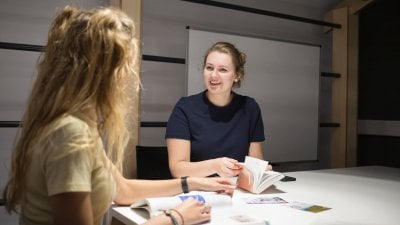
{"points": [[88, 62]]}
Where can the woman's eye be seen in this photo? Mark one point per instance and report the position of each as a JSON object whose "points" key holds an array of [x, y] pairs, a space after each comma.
{"points": [[223, 70], [209, 68]]}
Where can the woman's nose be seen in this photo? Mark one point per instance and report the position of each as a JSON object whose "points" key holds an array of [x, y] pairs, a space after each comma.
{"points": [[214, 73]]}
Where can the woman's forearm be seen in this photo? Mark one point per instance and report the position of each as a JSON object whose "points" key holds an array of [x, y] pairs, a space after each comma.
{"points": [[132, 190], [197, 169]]}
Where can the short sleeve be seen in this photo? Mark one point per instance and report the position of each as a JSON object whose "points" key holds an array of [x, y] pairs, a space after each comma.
{"points": [[258, 124], [67, 162], [178, 124]]}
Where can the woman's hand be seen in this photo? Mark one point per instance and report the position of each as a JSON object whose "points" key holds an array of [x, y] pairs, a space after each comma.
{"points": [[227, 167], [192, 212], [217, 184]]}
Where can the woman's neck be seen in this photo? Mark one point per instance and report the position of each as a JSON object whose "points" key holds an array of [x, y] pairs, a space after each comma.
{"points": [[220, 99], [89, 113]]}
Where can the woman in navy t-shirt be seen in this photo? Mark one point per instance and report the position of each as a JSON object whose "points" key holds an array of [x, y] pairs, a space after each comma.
{"points": [[210, 132]]}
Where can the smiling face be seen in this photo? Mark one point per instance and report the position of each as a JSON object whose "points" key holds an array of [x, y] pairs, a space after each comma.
{"points": [[219, 73]]}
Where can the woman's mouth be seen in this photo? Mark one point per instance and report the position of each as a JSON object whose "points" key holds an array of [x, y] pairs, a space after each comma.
{"points": [[214, 83]]}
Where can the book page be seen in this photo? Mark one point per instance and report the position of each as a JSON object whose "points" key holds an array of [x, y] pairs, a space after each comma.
{"points": [[156, 205], [268, 179], [255, 177], [257, 168], [163, 203]]}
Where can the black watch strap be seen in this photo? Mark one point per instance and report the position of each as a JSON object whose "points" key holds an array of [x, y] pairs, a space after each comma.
{"points": [[185, 187]]}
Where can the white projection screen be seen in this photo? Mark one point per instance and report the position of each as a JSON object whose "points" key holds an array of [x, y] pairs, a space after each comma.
{"points": [[283, 77]]}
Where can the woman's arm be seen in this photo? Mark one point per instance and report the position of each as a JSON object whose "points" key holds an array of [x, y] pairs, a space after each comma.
{"points": [[132, 190], [256, 151], [72, 208], [190, 211], [180, 165]]}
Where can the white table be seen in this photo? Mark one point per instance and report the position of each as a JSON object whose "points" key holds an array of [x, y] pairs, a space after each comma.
{"points": [[358, 196]]}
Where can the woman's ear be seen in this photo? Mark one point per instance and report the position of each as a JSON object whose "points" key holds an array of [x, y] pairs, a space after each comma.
{"points": [[237, 78]]}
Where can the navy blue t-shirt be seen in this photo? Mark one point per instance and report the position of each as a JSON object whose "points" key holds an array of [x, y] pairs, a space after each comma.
{"points": [[216, 131]]}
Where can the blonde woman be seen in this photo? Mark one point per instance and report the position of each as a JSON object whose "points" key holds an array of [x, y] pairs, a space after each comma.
{"points": [[74, 129]]}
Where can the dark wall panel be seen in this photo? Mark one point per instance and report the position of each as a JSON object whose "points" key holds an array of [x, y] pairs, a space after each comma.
{"points": [[379, 79], [378, 150]]}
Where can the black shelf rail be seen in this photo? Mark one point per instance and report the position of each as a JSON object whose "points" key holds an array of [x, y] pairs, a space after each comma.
{"points": [[265, 13], [21, 47], [334, 75], [153, 124], [163, 59], [40, 48], [10, 124], [329, 125]]}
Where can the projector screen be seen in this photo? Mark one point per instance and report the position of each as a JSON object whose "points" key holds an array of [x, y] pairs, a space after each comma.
{"points": [[283, 77]]}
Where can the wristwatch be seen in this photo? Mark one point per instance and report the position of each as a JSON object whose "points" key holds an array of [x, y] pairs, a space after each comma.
{"points": [[173, 219], [185, 187]]}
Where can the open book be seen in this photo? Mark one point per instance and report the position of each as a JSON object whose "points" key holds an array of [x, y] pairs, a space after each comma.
{"points": [[254, 176], [155, 206], [221, 208]]}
